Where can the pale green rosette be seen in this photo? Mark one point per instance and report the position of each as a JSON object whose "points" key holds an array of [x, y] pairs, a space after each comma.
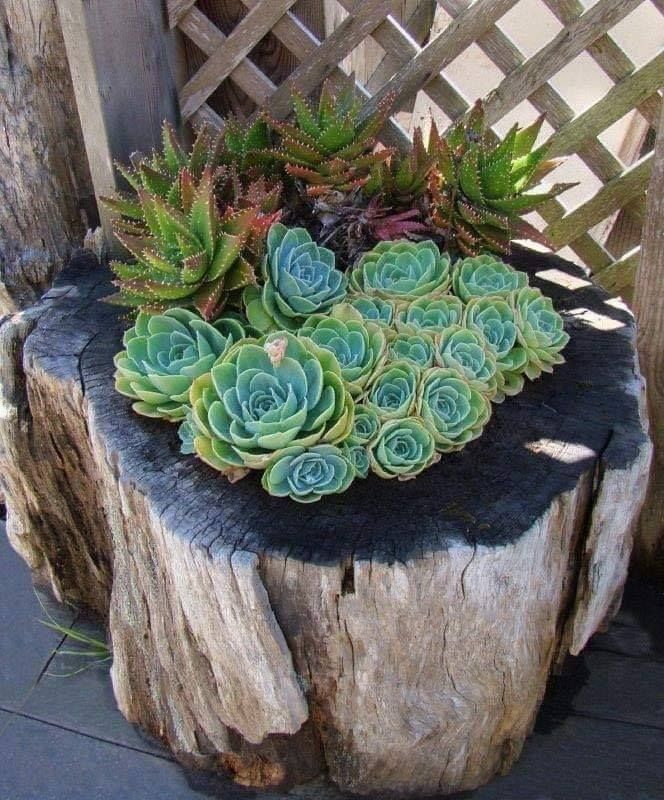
{"points": [[401, 269], [393, 391], [403, 449], [358, 455], [452, 410], [478, 276], [187, 435], [429, 315], [365, 426], [300, 280], [373, 309], [540, 331], [163, 355], [467, 351], [265, 395], [359, 346], [414, 347], [494, 318], [308, 474]]}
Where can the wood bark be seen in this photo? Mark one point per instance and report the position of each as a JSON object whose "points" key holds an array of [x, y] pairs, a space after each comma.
{"points": [[396, 639], [46, 197]]}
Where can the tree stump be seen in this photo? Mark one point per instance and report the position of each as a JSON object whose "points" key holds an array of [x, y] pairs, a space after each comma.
{"points": [[396, 638]]}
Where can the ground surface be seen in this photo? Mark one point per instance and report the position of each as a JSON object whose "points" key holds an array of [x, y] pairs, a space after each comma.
{"points": [[599, 736]]}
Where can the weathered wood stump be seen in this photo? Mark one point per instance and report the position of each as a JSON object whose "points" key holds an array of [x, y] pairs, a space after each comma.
{"points": [[397, 638]]}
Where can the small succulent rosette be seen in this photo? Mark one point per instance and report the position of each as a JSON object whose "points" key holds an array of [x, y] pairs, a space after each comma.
{"points": [[164, 354], [401, 270], [393, 391], [451, 408], [486, 274], [300, 280], [374, 309], [540, 331], [403, 449], [366, 425], [418, 348], [358, 455], [359, 346], [429, 314], [467, 351], [308, 474], [266, 395]]}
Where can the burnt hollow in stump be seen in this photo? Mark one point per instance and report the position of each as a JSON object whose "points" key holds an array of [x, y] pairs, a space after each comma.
{"points": [[396, 638]]}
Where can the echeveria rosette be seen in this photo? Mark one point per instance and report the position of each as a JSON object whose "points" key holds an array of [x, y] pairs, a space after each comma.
{"points": [[540, 331], [494, 318], [359, 346], [401, 269], [163, 355], [300, 280], [358, 455], [485, 274], [266, 395], [429, 315], [414, 347], [365, 426], [403, 449], [392, 393], [187, 434], [308, 474], [467, 351], [451, 409], [373, 309]]}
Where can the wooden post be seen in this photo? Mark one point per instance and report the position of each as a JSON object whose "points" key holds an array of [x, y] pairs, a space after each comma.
{"points": [[123, 61], [649, 310]]}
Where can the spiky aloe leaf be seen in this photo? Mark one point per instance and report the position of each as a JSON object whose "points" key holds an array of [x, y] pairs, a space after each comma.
{"points": [[470, 180], [496, 168]]}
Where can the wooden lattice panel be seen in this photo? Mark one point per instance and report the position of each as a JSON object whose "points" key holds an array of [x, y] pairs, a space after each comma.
{"points": [[399, 52]]}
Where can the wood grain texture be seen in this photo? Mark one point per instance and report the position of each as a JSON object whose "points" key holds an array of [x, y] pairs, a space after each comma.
{"points": [[649, 310], [395, 638]]}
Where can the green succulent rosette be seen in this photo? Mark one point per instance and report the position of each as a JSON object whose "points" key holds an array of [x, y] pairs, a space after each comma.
{"points": [[365, 426], [540, 331], [308, 474], [266, 395], [429, 315], [359, 346], [163, 355], [485, 275], [451, 408], [494, 318], [300, 280], [187, 434], [403, 449], [373, 309], [393, 391], [467, 351], [416, 348], [358, 455], [402, 269]]}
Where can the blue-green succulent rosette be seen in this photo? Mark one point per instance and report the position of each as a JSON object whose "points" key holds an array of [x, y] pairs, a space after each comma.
{"points": [[358, 455], [414, 347], [467, 351], [366, 425], [540, 331], [429, 314], [485, 274], [373, 309], [164, 354], [359, 346], [403, 449], [300, 280], [266, 395], [401, 270], [451, 408], [393, 391], [308, 474]]}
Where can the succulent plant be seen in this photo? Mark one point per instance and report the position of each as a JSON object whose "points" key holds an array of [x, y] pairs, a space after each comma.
{"points": [[485, 275], [266, 395], [392, 392], [358, 455], [308, 474], [429, 315], [540, 331], [414, 347], [328, 147], [402, 269], [365, 426], [494, 318], [163, 355], [187, 434], [403, 449], [300, 280], [373, 309], [451, 408], [359, 346], [478, 190], [467, 351]]}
